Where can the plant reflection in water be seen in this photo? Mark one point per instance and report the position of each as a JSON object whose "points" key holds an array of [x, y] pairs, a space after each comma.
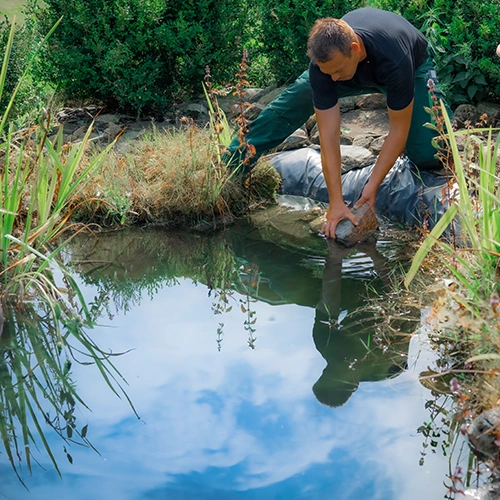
{"points": [[125, 267], [37, 393], [350, 331]]}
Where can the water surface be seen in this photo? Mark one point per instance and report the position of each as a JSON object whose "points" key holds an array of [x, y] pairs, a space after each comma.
{"points": [[252, 373]]}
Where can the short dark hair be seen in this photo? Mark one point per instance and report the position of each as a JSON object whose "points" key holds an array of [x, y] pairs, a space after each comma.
{"points": [[326, 36]]}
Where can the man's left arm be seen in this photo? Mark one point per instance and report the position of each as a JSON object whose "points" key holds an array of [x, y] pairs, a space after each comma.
{"points": [[394, 144]]}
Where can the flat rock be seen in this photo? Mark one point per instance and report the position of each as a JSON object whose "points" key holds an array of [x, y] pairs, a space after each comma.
{"points": [[355, 157]]}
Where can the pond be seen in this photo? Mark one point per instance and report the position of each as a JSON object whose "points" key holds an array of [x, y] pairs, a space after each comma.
{"points": [[252, 372]]}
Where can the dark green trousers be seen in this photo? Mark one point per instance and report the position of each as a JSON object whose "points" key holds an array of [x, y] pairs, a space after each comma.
{"points": [[293, 107]]}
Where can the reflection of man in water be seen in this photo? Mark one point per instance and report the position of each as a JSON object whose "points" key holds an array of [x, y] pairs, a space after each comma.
{"points": [[344, 328]]}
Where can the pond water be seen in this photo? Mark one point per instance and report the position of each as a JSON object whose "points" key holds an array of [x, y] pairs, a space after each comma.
{"points": [[256, 373]]}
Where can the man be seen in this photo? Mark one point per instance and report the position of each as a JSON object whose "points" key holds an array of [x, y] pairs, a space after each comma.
{"points": [[368, 50]]}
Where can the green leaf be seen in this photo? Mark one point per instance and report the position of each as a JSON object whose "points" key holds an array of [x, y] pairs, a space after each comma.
{"points": [[472, 90], [480, 79], [460, 77], [429, 242]]}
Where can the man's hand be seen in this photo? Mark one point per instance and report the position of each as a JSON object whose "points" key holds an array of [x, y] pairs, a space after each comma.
{"points": [[368, 196], [334, 215]]}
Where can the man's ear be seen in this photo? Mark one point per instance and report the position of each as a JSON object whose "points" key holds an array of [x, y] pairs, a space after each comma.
{"points": [[355, 48]]}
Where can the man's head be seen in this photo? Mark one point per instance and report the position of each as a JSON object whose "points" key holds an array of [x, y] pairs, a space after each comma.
{"points": [[498, 51], [334, 47]]}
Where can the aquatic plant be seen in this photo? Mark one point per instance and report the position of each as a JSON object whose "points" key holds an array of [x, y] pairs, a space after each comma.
{"points": [[43, 320], [464, 317], [37, 391], [38, 180], [473, 214]]}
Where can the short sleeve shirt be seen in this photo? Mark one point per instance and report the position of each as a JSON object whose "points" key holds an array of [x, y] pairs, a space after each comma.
{"points": [[394, 47]]}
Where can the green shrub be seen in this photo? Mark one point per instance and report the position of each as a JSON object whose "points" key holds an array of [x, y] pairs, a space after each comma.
{"points": [[284, 30], [31, 95], [464, 35], [139, 55]]}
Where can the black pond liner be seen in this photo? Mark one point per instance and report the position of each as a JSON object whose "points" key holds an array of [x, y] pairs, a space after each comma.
{"points": [[407, 195]]}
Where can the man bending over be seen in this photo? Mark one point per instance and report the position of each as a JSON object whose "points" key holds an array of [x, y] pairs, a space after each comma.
{"points": [[368, 50]]}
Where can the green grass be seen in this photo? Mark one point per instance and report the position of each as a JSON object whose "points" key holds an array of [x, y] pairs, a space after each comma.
{"points": [[10, 8]]}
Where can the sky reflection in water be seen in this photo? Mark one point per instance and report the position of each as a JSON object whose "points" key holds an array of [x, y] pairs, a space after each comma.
{"points": [[244, 423]]}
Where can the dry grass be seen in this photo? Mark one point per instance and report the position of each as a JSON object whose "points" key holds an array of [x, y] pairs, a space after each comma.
{"points": [[172, 178]]}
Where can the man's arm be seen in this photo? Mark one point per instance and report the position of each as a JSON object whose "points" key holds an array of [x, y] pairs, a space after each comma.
{"points": [[394, 144], [329, 135]]}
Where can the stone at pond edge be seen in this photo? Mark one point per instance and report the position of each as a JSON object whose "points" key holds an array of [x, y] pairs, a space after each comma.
{"points": [[346, 232], [484, 433]]}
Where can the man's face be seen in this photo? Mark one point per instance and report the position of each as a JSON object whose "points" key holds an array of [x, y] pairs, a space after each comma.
{"points": [[340, 67]]}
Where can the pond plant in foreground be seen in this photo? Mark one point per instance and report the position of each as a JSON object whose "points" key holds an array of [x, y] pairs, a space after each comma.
{"points": [[465, 317], [43, 320]]}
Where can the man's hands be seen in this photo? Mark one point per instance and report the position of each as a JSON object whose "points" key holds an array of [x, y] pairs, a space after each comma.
{"points": [[336, 212], [368, 196]]}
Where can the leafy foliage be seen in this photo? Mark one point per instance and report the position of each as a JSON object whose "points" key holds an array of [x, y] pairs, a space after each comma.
{"points": [[463, 35], [140, 54], [31, 94], [284, 29]]}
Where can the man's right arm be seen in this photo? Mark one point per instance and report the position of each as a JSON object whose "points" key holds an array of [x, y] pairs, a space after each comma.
{"points": [[329, 134]]}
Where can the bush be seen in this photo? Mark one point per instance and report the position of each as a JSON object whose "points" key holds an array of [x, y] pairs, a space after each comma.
{"points": [[31, 95], [284, 30], [464, 35], [140, 55]]}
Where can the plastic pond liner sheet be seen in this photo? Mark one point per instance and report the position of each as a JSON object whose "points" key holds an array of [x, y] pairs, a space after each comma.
{"points": [[407, 195]]}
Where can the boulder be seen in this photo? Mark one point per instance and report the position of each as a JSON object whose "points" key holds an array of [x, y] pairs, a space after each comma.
{"points": [[297, 140], [346, 232], [466, 115], [371, 101], [484, 434]]}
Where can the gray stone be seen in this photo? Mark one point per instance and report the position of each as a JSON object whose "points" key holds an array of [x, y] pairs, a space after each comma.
{"points": [[347, 103], [270, 96], [196, 111], [130, 135], [297, 140], [348, 234], [376, 145], [490, 108], [111, 132], [251, 112], [70, 127], [314, 137], [363, 141], [484, 433], [79, 133], [465, 115], [355, 157], [107, 119], [253, 95], [361, 122], [227, 102], [140, 125], [311, 123]]}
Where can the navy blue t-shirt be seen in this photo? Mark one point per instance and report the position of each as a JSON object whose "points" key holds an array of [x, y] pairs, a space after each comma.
{"points": [[394, 48]]}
